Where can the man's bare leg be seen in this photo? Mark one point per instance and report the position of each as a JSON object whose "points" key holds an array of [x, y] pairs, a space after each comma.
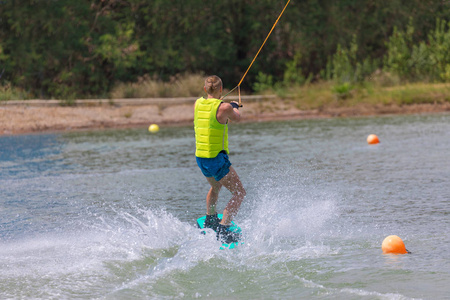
{"points": [[232, 182], [213, 195]]}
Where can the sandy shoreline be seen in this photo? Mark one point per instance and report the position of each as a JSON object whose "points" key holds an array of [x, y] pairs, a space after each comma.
{"points": [[21, 119]]}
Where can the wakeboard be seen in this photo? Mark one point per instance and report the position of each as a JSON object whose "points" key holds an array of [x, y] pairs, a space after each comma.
{"points": [[234, 228]]}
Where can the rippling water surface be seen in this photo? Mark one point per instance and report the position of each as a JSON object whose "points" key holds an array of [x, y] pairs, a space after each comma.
{"points": [[111, 214]]}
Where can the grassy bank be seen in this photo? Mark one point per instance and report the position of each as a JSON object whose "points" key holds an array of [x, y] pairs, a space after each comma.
{"points": [[327, 94], [321, 95]]}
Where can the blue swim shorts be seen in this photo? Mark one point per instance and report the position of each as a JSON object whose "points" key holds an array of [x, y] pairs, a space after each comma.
{"points": [[216, 167]]}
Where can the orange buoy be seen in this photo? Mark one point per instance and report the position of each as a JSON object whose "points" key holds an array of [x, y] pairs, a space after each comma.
{"points": [[372, 139], [394, 245]]}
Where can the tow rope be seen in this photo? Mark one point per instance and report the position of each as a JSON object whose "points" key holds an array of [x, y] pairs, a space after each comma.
{"points": [[242, 79]]}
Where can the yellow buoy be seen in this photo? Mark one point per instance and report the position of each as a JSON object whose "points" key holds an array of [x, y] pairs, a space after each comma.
{"points": [[394, 245], [153, 128], [372, 139]]}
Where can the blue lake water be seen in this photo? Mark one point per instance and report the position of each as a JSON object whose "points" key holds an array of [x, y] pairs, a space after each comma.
{"points": [[111, 214]]}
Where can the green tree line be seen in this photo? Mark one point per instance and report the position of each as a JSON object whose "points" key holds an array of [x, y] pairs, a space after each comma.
{"points": [[66, 49]]}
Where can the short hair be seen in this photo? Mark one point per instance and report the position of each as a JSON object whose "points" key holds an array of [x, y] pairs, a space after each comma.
{"points": [[212, 83]]}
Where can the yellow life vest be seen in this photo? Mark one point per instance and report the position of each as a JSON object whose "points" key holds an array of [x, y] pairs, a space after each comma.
{"points": [[211, 137]]}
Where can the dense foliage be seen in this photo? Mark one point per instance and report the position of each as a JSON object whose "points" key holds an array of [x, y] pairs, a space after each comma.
{"points": [[66, 49]]}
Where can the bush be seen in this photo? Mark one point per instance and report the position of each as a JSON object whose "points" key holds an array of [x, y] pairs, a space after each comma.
{"points": [[293, 74], [343, 91], [344, 66], [7, 92], [264, 82], [425, 61], [398, 57], [439, 50], [185, 85]]}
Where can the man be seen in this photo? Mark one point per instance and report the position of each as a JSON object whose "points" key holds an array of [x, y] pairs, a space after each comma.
{"points": [[211, 136]]}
